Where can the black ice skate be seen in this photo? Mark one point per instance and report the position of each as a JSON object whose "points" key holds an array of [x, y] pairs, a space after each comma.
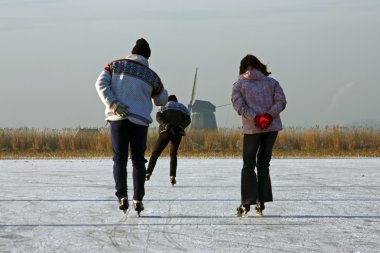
{"points": [[259, 208], [123, 204], [147, 176], [242, 210], [138, 206], [172, 180]]}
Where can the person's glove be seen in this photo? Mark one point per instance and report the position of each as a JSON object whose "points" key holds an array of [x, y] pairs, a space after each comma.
{"points": [[257, 120], [263, 121], [120, 109], [167, 127]]}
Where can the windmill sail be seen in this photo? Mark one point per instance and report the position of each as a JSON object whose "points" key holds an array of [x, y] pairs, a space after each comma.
{"points": [[202, 111], [193, 91]]}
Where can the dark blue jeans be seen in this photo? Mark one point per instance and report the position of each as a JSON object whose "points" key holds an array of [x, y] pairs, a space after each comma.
{"points": [[125, 135], [257, 152]]}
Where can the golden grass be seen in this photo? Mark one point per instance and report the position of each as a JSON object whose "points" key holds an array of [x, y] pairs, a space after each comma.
{"points": [[291, 142]]}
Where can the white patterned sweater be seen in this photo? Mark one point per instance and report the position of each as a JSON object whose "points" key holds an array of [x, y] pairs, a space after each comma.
{"points": [[131, 82]]}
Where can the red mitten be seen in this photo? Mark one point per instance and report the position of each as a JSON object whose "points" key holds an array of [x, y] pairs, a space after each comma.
{"points": [[266, 120], [257, 121], [263, 121]]}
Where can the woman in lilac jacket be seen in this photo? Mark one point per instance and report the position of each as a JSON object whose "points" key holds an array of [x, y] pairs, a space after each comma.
{"points": [[259, 99]]}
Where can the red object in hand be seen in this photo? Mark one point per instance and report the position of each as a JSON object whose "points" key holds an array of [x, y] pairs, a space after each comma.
{"points": [[258, 121], [268, 120], [263, 121]]}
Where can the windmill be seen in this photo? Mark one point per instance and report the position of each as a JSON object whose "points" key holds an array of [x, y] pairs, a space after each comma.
{"points": [[202, 112]]}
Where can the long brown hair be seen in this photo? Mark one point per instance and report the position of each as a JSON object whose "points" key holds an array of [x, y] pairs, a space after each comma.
{"points": [[251, 60]]}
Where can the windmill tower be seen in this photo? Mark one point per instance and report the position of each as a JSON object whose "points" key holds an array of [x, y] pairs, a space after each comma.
{"points": [[202, 112]]}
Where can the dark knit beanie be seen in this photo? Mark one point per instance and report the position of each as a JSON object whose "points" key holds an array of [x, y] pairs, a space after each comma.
{"points": [[141, 48], [172, 98]]}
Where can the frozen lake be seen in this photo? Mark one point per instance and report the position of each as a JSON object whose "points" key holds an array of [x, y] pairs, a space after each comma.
{"points": [[320, 205]]}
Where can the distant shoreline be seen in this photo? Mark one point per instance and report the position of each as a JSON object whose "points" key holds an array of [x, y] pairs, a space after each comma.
{"points": [[329, 142]]}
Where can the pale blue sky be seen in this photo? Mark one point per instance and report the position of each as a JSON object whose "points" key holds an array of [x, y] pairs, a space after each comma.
{"points": [[324, 53]]}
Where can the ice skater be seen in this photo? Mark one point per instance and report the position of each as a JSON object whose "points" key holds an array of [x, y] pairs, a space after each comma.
{"points": [[259, 99], [127, 87], [173, 118]]}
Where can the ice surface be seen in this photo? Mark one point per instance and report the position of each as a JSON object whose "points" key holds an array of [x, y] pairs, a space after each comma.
{"points": [[320, 205]]}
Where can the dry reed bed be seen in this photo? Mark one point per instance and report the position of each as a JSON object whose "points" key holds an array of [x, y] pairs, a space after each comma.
{"points": [[291, 142]]}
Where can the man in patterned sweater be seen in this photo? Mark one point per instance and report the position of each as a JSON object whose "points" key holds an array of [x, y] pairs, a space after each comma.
{"points": [[127, 87], [173, 119]]}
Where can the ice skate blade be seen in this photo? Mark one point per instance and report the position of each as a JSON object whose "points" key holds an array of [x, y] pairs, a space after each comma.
{"points": [[242, 215], [172, 181], [139, 207], [124, 208], [123, 205]]}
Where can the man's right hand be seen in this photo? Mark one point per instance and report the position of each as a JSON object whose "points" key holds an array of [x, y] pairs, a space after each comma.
{"points": [[120, 109]]}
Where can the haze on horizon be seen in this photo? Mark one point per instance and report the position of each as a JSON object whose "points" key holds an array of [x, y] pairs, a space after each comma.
{"points": [[324, 53]]}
